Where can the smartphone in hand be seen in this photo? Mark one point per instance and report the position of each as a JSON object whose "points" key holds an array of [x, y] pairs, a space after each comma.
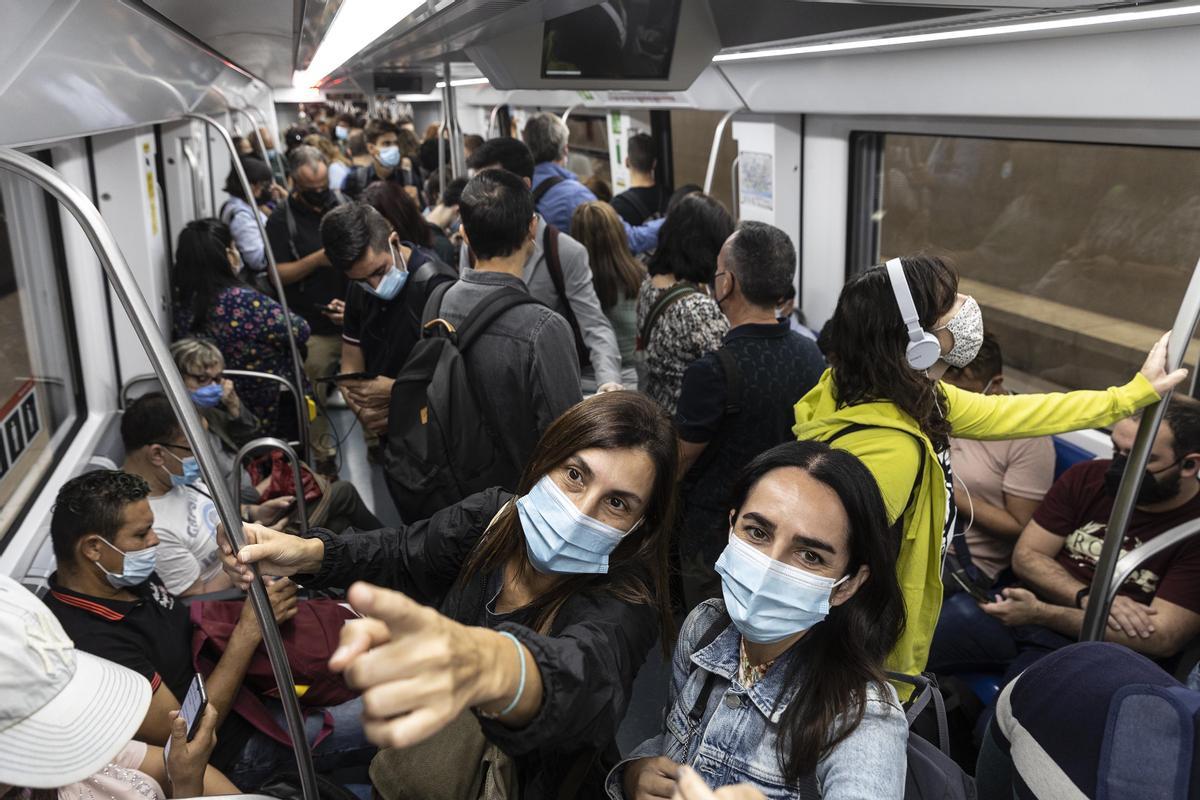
{"points": [[192, 710]]}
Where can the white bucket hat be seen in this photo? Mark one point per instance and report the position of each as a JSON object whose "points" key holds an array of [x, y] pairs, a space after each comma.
{"points": [[64, 714]]}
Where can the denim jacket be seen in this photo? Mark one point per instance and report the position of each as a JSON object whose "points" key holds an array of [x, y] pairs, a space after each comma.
{"points": [[736, 740]]}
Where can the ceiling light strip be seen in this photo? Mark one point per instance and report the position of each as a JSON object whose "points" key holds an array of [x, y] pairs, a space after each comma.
{"points": [[462, 82], [966, 33], [356, 25]]}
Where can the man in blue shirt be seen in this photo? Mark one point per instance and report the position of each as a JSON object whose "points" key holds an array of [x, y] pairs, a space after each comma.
{"points": [[557, 191]]}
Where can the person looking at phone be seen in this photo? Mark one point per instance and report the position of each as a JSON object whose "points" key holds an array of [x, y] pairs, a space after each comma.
{"points": [[112, 604], [185, 519], [390, 281], [1156, 611], [547, 601], [70, 718], [780, 684]]}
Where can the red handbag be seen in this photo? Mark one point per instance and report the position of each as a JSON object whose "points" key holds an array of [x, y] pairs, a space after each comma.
{"points": [[283, 478], [309, 638]]}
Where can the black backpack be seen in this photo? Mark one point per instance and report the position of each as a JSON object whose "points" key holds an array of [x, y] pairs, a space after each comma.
{"points": [[932, 774], [440, 447]]}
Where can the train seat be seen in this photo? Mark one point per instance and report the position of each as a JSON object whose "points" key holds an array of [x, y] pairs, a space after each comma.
{"points": [[1067, 455]]}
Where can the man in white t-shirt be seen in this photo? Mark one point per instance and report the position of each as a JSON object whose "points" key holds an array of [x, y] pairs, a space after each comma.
{"points": [[1005, 481]]}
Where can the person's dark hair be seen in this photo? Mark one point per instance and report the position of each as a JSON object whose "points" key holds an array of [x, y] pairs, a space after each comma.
{"points": [[398, 208], [691, 238], [506, 153], [496, 209], [378, 127], [867, 342], [347, 120], [845, 653], [294, 136], [599, 187], [256, 172], [148, 420], [763, 261], [637, 569], [201, 269], [642, 152], [93, 502], [1183, 418], [471, 142], [454, 190], [410, 145], [687, 190], [427, 154], [615, 272], [356, 143], [987, 364], [349, 229]]}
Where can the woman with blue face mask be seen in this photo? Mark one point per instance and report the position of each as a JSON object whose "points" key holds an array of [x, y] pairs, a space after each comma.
{"points": [[782, 682], [531, 612]]}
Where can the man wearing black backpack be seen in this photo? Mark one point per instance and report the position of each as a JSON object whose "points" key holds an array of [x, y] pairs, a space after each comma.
{"points": [[494, 367]]}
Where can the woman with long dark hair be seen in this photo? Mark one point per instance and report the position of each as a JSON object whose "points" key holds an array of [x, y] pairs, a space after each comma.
{"points": [[547, 603], [616, 274], [882, 400], [398, 208], [247, 326], [783, 680], [677, 319]]}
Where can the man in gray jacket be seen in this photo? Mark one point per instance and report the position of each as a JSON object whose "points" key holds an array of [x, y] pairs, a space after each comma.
{"points": [[580, 301]]}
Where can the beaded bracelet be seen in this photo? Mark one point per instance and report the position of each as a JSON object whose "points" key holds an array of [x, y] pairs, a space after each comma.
{"points": [[520, 685]]}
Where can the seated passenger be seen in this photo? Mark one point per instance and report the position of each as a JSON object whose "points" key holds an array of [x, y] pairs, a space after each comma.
{"points": [[737, 402], [560, 591], [782, 682], [678, 320], [69, 718], [238, 212], [557, 273], [112, 604], [1005, 480], [617, 276], [1156, 611], [442, 217], [185, 519], [202, 366], [558, 191], [391, 280], [898, 417], [247, 326]]}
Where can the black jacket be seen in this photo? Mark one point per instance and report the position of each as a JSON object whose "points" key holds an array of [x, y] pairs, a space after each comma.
{"points": [[588, 662]]}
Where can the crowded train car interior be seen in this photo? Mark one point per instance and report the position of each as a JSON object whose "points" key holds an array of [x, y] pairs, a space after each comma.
{"points": [[600, 398]]}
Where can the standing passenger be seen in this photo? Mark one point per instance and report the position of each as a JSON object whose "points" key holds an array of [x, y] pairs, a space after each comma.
{"points": [[883, 401], [238, 212], [678, 321], [781, 684], [644, 199], [383, 143], [737, 402], [546, 603]]}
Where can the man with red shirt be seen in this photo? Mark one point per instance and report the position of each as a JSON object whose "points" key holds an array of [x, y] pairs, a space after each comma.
{"points": [[1156, 611]]}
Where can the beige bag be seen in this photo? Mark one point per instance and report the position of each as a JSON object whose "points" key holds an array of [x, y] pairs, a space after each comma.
{"points": [[457, 763]]}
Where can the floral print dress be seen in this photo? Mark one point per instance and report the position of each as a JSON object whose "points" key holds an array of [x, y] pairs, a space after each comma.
{"points": [[249, 329], [684, 331]]}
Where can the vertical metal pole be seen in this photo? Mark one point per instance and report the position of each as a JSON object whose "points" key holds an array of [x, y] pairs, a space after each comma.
{"points": [[1096, 616], [457, 159], [124, 285], [262, 147], [273, 272], [711, 172]]}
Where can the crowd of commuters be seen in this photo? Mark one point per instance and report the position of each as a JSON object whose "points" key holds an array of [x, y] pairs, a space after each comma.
{"points": [[657, 440]]}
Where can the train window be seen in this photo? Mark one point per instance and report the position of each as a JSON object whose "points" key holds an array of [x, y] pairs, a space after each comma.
{"points": [[40, 390], [1078, 253]]}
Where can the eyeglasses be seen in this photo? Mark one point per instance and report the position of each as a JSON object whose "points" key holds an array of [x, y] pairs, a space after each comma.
{"points": [[185, 448], [204, 378]]}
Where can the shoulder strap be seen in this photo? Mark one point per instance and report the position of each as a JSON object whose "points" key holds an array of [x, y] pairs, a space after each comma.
{"points": [[854, 427], [669, 298], [696, 713], [554, 267], [433, 304], [927, 690], [545, 186], [487, 311], [733, 381]]}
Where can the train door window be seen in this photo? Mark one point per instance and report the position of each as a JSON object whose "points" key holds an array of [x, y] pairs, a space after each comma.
{"points": [[1078, 253], [41, 397]]}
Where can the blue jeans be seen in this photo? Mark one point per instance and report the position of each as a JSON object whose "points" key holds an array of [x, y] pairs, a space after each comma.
{"points": [[345, 749], [967, 639]]}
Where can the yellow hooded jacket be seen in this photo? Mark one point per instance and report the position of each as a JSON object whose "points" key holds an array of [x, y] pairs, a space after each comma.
{"points": [[889, 450]]}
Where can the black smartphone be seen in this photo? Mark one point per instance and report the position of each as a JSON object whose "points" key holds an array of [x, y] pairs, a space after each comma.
{"points": [[983, 594], [192, 710], [346, 376]]}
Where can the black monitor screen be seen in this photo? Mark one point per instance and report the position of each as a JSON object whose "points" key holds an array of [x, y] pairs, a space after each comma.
{"points": [[617, 39]]}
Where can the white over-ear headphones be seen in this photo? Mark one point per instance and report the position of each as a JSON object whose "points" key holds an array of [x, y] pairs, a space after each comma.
{"points": [[924, 349]]}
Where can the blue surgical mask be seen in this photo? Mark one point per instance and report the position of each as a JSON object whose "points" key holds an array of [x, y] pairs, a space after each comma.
{"points": [[768, 600], [389, 156], [191, 471], [392, 282], [341, 132], [560, 538], [135, 567], [207, 396]]}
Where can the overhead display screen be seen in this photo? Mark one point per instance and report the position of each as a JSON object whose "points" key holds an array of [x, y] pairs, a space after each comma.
{"points": [[617, 39]]}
